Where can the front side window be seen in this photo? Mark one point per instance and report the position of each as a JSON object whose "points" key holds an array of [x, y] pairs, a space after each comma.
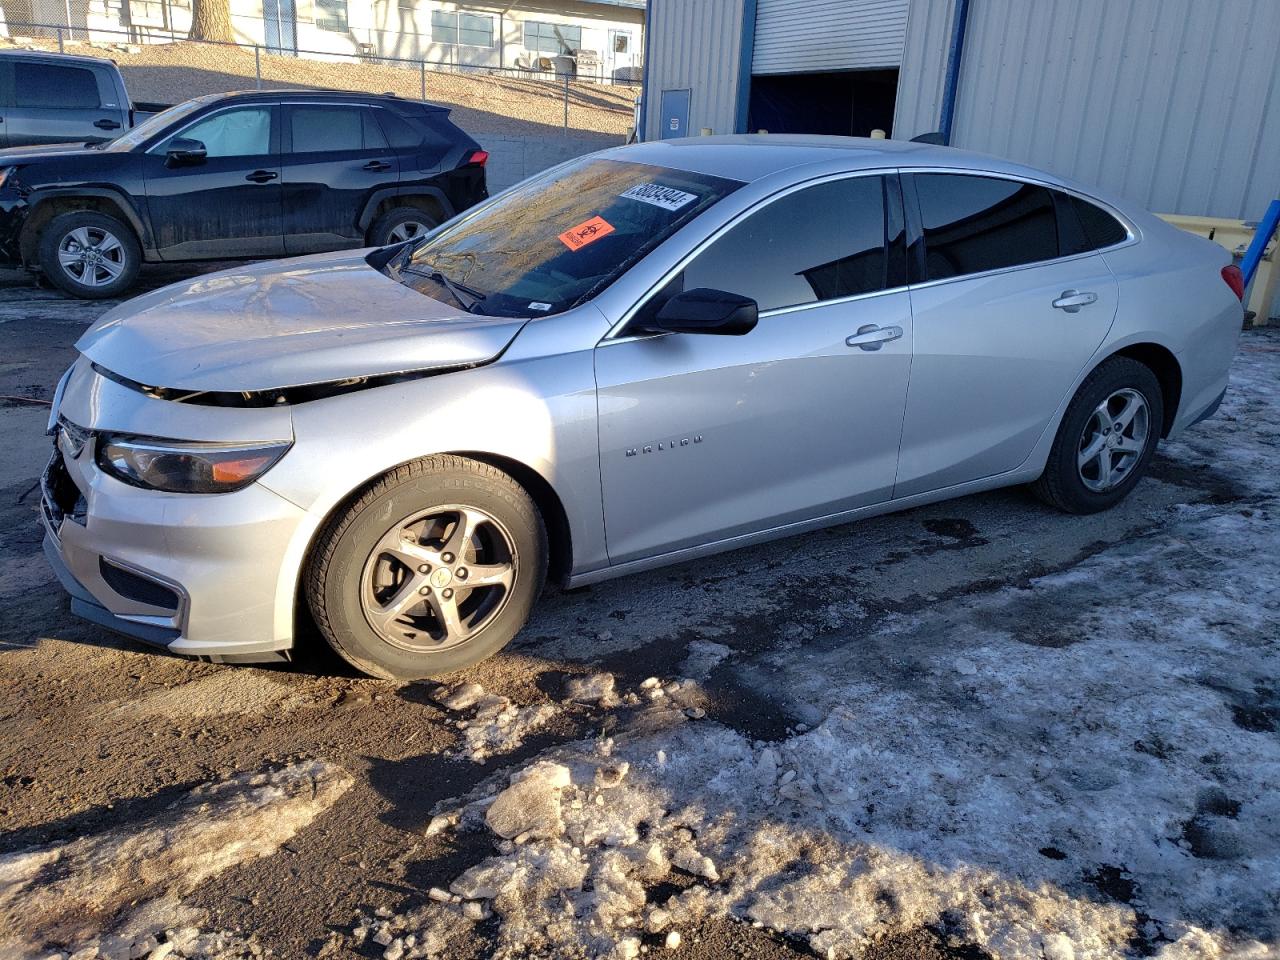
{"points": [[820, 243], [48, 85], [334, 129], [332, 15], [974, 224], [559, 239], [552, 38], [242, 132]]}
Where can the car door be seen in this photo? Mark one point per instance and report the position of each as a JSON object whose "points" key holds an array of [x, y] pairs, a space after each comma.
{"points": [[1006, 316], [336, 156], [227, 204], [704, 438], [59, 103]]}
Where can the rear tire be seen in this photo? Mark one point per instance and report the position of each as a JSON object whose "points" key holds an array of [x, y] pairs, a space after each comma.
{"points": [[89, 255], [1106, 439], [432, 569], [399, 224]]}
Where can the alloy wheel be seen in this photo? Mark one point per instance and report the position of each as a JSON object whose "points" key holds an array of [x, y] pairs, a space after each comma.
{"points": [[1113, 440], [438, 577], [408, 230], [92, 256]]}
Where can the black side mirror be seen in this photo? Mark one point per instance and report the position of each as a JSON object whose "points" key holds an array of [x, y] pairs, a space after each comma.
{"points": [[707, 311], [184, 150]]}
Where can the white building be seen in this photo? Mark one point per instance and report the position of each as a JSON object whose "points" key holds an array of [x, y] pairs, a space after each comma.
{"points": [[603, 39]]}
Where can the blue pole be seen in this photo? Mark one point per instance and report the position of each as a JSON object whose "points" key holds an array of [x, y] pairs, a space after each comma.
{"points": [[1266, 229], [644, 72], [954, 56], [745, 55]]}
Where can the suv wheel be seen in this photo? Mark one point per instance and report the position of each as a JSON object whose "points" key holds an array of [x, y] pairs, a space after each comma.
{"points": [[434, 568], [399, 224], [88, 254], [1106, 440]]}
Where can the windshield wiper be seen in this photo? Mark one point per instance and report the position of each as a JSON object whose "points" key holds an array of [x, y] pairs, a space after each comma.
{"points": [[466, 297]]}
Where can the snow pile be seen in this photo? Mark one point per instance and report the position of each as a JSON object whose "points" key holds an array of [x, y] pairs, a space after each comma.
{"points": [[126, 879], [493, 725]]}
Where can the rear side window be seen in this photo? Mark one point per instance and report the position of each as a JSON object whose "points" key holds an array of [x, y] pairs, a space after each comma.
{"points": [[334, 129], [52, 85], [399, 131], [975, 224], [821, 243], [1100, 228]]}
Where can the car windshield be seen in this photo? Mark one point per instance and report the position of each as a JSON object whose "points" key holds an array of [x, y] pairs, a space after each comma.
{"points": [[557, 240], [153, 125]]}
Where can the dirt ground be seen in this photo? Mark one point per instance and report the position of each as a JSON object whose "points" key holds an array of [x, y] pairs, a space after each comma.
{"points": [[98, 732]]}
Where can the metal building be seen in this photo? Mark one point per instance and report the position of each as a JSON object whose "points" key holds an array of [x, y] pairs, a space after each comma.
{"points": [[1174, 104]]}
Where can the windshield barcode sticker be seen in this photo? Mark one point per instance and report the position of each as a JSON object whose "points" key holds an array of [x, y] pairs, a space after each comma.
{"points": [[668, 198]]}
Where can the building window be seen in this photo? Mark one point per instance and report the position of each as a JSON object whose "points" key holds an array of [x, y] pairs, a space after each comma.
{"points": [[553, 38], [332, 15], [469, 29]]}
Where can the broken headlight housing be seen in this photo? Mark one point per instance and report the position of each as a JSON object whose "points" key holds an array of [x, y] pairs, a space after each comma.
{"points": [[174, 466]]}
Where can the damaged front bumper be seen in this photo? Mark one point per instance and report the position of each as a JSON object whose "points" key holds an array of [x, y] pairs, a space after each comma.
{"points": [[212, 576]]}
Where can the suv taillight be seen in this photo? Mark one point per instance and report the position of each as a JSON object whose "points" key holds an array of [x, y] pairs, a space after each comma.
{"points": [[1235, 280], [478, 158]]}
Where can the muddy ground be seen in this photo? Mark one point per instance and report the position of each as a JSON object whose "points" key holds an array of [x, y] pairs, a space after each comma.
{"points": [[98, 731]]}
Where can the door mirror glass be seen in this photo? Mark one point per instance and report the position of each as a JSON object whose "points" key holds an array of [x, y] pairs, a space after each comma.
{"points": [[184, 150], [707, 311]]}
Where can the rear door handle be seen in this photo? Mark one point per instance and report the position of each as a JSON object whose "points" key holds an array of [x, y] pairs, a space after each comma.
{"points": [[1072, 300], [106, 125], [872, 337], [262, 176], [377, 165]]}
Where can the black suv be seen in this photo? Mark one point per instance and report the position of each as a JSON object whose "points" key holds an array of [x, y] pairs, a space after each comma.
{"points": [[239, 175]]}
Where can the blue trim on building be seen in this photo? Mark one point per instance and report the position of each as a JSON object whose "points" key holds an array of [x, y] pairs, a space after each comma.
{"points": [[642, 121], [744, 64], [954, 56]]}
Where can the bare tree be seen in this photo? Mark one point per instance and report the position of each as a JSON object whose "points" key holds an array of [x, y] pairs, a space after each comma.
{"points": [[211, 20]]}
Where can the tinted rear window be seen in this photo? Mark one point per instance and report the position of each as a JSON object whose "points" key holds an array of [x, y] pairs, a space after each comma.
{"points": [[975, 224], [1101, 229], [325, 129], [53, 85]]}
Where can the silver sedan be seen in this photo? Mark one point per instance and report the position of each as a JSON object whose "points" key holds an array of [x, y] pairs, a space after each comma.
{"points": [[640, 357]]}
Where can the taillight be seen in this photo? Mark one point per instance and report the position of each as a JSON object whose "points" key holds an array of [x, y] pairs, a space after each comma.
{"points": [[477, 159], [1235, 280]]}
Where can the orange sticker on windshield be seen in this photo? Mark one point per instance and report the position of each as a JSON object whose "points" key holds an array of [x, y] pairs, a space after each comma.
{"points": [[589, 231]]}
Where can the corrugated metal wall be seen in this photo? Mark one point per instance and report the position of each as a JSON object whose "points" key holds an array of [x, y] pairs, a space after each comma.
{"points": [[1173, 104], [814, 36], [695, 44]]}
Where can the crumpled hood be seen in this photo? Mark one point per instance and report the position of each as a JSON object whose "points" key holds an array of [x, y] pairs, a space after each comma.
{"points": [[288, 323]]}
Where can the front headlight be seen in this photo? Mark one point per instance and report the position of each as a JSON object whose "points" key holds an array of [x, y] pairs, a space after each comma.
{"points": [[177, 467]]}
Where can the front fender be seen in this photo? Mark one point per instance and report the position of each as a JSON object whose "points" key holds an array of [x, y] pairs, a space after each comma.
{"points": [[539, 412]]}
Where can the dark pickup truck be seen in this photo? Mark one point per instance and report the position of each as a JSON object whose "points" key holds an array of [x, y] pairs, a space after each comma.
{"points": [[59, 98]]}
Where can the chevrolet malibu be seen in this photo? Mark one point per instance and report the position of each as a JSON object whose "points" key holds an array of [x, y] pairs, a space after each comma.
{"points": [[641, 357]]}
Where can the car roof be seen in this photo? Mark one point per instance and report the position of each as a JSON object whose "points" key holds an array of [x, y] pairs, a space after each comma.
{"points": [[749, 157], [54, 55]]}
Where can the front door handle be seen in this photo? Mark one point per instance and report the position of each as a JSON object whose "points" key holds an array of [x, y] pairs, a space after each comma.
{"points": [[376, 165], [106, 124], [872, 337], [1072, 300], [262, 176]]}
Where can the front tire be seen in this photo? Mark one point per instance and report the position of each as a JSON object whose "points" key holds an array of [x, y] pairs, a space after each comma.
{"points": [[432, 569], [89, 255], [1106, 439]]}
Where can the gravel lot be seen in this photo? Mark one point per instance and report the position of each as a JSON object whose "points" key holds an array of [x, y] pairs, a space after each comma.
{"points": [[977, 729]]}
